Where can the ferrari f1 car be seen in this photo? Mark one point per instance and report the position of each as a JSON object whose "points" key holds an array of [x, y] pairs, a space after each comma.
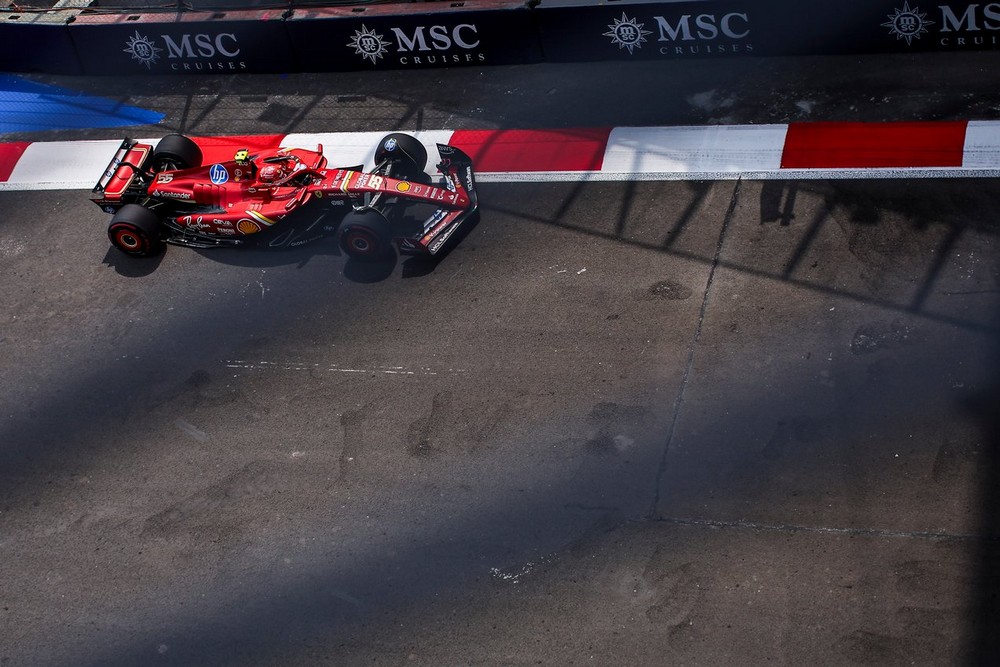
{"points": [[165, 194]]}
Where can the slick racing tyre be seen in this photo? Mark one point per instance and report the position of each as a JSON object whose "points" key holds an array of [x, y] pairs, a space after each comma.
{"points": [[175, 151], [365, 236], [136, 231], [409, 157]]}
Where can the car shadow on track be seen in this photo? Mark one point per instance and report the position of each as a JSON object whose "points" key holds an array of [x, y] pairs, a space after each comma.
{"points": [[131, 267], [355, 270]]}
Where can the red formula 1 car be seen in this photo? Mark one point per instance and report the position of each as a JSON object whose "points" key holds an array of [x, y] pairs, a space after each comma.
{"points": [[164, 194]]}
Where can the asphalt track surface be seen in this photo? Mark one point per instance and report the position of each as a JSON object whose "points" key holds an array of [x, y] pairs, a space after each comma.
{"points": [[619, 423]]}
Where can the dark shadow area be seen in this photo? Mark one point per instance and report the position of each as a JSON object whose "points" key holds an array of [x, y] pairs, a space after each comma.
{"points": [[758, 90], [867, 203], [132, 267], [369, 271], [317, 609], [701, 190], [984, 624]]}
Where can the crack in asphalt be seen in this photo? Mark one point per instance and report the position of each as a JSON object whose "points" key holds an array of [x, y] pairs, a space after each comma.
{"points": [[863, 532], [679, 401]]}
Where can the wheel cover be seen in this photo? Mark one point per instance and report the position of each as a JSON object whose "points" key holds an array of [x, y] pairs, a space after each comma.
{"points": [[128, 238], [362, 242]]}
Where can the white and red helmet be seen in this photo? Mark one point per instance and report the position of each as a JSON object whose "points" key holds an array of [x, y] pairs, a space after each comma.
{"points": [[271, 173]]}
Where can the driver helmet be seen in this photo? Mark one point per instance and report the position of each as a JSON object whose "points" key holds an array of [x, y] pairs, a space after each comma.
{"points": [[242, 157], [271, 173]]}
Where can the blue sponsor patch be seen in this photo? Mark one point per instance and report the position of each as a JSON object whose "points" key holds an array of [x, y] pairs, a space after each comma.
{"points": [[390, 144], [218, 174]]}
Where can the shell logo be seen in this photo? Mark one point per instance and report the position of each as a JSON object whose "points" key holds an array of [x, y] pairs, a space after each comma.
{"points": [[246, 226], [403, 186]]}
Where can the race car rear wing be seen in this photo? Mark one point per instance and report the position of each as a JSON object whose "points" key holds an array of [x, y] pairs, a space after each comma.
{"points": [[121, 171]]}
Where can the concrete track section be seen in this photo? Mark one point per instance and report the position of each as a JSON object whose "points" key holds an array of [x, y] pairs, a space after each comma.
{"points": [[701, 422]]}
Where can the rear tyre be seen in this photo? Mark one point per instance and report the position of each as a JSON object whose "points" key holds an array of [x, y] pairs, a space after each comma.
{"points": [[409, 157], [365, 236], [136, 231], [175, 151]]}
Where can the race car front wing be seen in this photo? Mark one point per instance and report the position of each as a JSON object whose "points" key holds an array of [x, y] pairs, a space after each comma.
{"points": [[459, 177]]}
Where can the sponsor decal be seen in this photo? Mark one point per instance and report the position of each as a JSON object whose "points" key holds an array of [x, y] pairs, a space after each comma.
{"points": [[437, 244], [435, 218], [390, 144], [958, 28], [196, 224], [164, 178], [188, 52], [171, 195], [420, 46], [228, 231], [627, 33], [470, 183], [222, 223], [142, 49], [110, 209], [403, 186], [113, 167], [246, 226], [218, 174], [295, 244], [684, 35], [372, 181], [369, 44], [908, 24]]}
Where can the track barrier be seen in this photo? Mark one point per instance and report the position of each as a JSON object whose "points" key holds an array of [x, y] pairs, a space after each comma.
{"points": [[477, 33]]}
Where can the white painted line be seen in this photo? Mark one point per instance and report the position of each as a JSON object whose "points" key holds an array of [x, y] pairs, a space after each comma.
{"points": [[982, 145], [688, 150]]}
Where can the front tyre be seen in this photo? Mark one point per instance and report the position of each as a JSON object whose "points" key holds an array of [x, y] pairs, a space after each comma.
{"points": [[365, 236], [136, 231], [408, 156]]}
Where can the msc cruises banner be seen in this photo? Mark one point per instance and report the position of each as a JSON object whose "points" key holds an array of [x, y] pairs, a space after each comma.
{"points": [[483, 33], [445, 34], [581, 31]]}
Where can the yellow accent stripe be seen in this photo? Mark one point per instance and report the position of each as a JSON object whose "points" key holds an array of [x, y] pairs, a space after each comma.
{"points": [[347, 180], [260, 217]]}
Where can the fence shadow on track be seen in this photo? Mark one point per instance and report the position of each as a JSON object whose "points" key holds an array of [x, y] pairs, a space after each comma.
{"points": [[287, 617], [875, 215], [879, 220]]}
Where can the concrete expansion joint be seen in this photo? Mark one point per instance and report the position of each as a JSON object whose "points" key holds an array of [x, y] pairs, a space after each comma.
{"points": [[828, 530], [693, 345]]}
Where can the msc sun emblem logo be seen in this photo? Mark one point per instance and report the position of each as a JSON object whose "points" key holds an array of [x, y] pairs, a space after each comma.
{"points": [[368, 44], [908, 24], [143, 49], [627, 33]]}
